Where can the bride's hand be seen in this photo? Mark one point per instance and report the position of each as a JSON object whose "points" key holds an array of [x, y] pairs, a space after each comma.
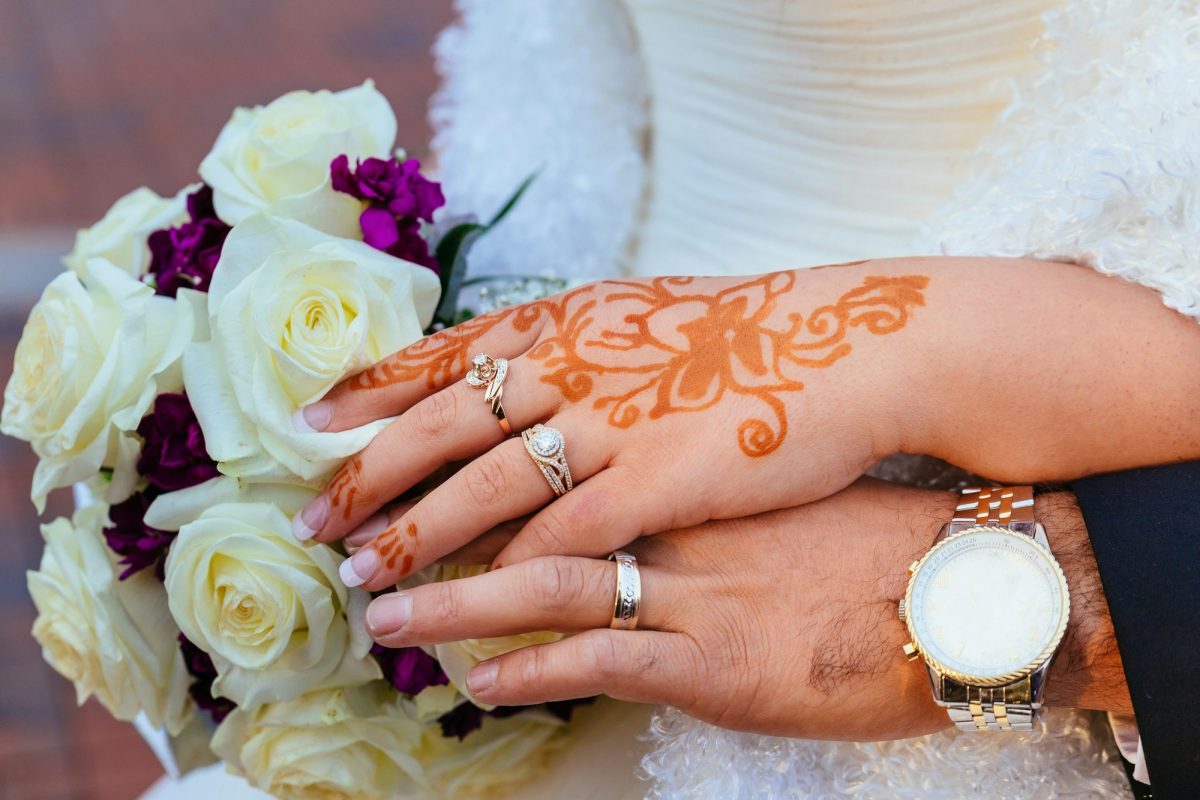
{"points": [[782, 623], [683, 400], [679, 399]]}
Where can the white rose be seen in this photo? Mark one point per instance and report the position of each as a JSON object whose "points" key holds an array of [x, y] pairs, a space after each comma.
{"points": [[293, 311], [330, 745], [270, 610], [276, 158], [457, 658], [113, 639], [493, 760], [120, 237], [92, 357]]}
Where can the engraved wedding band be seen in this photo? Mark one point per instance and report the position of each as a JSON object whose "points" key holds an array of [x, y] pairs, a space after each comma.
{"points": [[628, 602], [488, 373], [546, 447]]}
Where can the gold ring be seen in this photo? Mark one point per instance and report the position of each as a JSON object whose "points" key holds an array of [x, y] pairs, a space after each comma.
{"points": [[488, 373], [546, 447], [627, 605]]}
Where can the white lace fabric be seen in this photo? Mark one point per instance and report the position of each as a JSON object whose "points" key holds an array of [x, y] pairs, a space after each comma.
{"points": [[1095, 160]]}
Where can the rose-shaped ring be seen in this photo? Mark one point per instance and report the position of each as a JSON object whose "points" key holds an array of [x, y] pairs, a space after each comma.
{"points": [[488, 373], [546, 447], [627, 604]]}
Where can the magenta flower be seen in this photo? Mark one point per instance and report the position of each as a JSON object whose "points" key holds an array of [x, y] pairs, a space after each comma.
{"points": [[200, 666], [398, 197], [409, 669], [186, 256], [173, 454], [128, 535]]}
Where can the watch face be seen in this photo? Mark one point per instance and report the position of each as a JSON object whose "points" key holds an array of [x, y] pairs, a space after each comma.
{"points": [[987, 604]]}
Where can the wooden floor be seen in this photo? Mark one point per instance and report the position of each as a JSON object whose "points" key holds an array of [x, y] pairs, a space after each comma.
{"points": [[98, 97]]}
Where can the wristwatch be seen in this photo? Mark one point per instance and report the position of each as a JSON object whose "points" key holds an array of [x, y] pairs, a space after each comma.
{"points": [[986, 608]]}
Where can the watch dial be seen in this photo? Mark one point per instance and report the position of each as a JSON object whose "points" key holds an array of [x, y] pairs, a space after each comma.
{"points": [[987, 603]]}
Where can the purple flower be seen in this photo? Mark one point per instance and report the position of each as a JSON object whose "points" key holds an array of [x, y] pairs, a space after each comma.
{"points": [[410, 669], [130, 537], [395, 186], [398, 197], [173, 456], [468, 717], [200, 666], [187, 255]]}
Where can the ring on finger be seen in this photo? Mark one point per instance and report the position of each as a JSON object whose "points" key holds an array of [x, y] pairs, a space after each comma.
{"points": [[488, 373], [627, 604], [546, 447]]}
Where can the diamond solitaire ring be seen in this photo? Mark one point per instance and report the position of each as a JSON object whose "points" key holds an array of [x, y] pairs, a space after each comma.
{"points": [[488, 373], [546, 447]]}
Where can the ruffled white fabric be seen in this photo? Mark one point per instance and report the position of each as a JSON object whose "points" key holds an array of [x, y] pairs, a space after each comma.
{"points": [[553, 87], [1098, 160]]}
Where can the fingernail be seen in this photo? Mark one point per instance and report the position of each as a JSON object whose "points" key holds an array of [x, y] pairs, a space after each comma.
{"points": [[311, 519], [482, 678], [359, 568], [376, 524], [388, 614], [314, 418]]}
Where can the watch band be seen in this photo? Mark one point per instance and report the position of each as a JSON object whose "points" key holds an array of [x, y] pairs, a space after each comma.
{"points": [[998, 708], [996, 505]]}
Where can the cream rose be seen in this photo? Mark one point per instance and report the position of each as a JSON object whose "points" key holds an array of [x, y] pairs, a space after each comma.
{"points": [[120, 237], [275, 158], [330, 745], [493, 760], [457, 658], [93, 355], [113, 639], [270, 610], [293, 311]]}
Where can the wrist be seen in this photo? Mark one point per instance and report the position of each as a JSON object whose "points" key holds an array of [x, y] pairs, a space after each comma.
{"points": [[1087, 671]]}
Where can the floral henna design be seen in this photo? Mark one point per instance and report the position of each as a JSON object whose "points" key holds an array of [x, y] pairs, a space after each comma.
{"points": [[392, 547], [733, 341], [345, 485]]}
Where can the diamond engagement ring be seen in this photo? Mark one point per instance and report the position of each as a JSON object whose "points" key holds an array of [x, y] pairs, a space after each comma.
{"points": [[627, 605], [488, 373], [546, 447]]}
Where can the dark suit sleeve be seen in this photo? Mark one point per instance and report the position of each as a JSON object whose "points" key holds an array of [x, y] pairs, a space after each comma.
{"points": [[1145, 530]]}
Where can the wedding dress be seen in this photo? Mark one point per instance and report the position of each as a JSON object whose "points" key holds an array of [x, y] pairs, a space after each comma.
{"points": [[740, 136]]}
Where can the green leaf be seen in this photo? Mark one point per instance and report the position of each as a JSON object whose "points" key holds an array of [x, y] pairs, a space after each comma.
{"points": [[512, 201]]}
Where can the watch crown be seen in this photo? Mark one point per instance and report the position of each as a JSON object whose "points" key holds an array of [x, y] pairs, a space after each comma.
{"points": [[913, 567], [910, 651], [903, 610]]}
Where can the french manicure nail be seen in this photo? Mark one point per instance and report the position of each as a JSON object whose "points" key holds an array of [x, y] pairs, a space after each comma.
{"points": [[376, 524], [389, 614], [311, 519], [313, 418], [482, 678], [359, 568]]}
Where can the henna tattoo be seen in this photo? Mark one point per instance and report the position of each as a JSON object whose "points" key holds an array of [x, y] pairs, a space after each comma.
{"points": [[729, 342], [391, 547], [442, 358], [345, 485]]}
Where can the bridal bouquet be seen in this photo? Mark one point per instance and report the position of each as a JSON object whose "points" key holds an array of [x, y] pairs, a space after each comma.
{"points": [[161, 370]]}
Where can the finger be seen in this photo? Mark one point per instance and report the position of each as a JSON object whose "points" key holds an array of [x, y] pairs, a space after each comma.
{"points": [[452, 424], [638, 666], [607, 512], [500, 485], [402, 379], [556, 593]]}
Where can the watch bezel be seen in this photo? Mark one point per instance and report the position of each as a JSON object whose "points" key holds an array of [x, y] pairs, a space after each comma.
{"points": [[1009, 677]]}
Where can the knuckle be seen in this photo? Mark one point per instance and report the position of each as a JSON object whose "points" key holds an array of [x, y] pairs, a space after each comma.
{"points": [[532, 667], [556, 583], [485, 482], [435, 414], [447, 603], [548, 531], [602, 655]]}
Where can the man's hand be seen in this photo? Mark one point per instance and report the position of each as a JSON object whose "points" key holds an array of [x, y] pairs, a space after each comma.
{"points": [[782, 623]]}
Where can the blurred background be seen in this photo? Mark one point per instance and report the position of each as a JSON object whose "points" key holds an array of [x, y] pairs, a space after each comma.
{"points": [[96, 99]]}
